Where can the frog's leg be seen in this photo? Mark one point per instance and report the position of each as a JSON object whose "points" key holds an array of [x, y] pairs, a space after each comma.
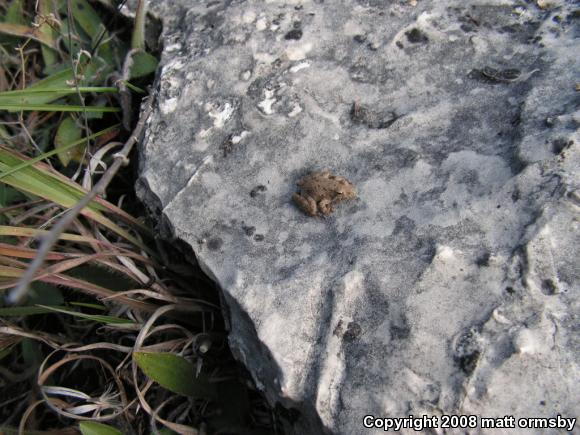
{"points": [[306, 203], [325, 206]]}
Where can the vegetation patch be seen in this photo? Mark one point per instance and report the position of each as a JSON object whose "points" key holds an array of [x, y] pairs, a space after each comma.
{"points": [[103, 328]]}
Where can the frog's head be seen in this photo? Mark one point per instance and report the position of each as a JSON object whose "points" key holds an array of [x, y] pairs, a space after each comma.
{"points": [[346, 190]]}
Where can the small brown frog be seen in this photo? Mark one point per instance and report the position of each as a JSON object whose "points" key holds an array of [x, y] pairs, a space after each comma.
{"points": [[319, 191]]}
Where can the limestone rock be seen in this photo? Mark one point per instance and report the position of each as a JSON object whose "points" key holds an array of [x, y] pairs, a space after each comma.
{"points": [[450, 284]]}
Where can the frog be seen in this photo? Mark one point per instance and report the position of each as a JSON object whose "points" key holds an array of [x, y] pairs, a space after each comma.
{"points": [[320, 191]]}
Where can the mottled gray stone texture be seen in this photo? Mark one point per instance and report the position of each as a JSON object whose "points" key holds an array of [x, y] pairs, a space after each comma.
{"points": [[451, 283]]}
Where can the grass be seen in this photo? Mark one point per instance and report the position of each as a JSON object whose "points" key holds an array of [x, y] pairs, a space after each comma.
{"points": [[115, 332]]}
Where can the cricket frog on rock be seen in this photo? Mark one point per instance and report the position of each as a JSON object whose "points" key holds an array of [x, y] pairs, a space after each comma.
{"points": [[320, 191]]}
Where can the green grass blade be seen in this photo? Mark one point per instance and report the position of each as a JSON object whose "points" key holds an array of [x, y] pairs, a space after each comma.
{"points": [[24, 31], [174, 373], [56, 80], [12, 159], [39, 181], [94, 428], [61, 149], [109, 320], [134, 88], [89, 305], [90, 22], [30, 91], [56, 108], [138, 37], [49, 89], [49, 55], [69, 132], [14, 13]]}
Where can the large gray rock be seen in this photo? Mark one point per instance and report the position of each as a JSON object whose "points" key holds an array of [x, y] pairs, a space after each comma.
{"points": [[451, 284]]}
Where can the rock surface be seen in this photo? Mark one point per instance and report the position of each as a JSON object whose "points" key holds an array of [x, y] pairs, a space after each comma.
{"points": [[451, 284]]}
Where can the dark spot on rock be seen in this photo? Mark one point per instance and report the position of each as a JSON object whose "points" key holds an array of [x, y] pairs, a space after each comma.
{"points": [[259, 237], [512, 28], [549, 287], [400, 332], [467, 350], [561, 144], [542, 402], [215, 243], [337, 329], [277, 63], [212, 20], [404, 225], [470, 20], [571, 195], [294, 34], [467, 28], [467, 363], [257, 87], [433, 194], [415, 36], [557, 19], [426, 249], [257, 190], [510, 74], [353, 331], [510, 290], [483, 260], [516, 195], [361, 73], [227, 146], [491, 75], [372, 119], [249, 230], [400, 45], [298, 7], [360, 38]]}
